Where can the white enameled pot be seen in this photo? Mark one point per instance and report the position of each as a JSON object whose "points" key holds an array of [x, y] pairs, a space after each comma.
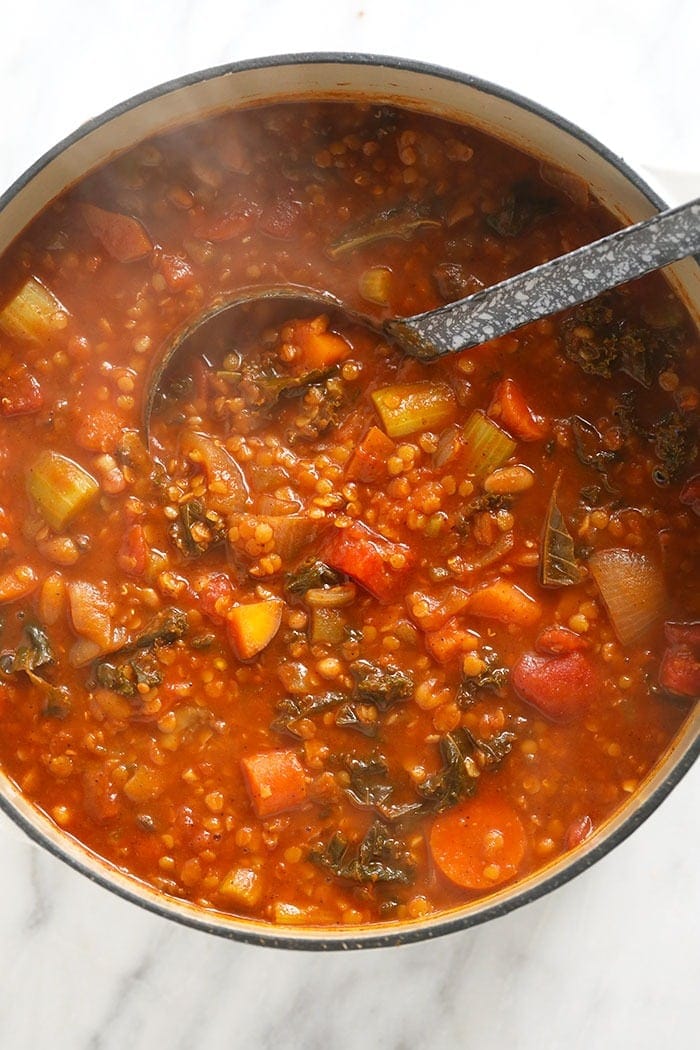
{"points": [[428, 89]]}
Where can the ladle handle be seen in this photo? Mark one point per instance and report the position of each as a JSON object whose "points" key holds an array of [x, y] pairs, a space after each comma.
{"points": [[570, 279]]}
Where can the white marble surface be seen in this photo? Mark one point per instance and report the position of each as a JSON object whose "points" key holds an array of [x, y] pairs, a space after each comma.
{"points": [[612, 959]]}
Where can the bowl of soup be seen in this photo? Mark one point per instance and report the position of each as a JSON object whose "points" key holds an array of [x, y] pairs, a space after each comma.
{"points": [[337, 648]]}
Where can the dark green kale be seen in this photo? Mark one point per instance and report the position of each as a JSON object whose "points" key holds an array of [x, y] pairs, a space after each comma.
{"points": [[675, 444], [197, 529], [123, 672], [370, 787], [457, 779], [165, 628], [381, 686], [292, 709], [312, 574], [34, 652], [490, 753], [591, 451], [263, 387], [352, 716], [126, 677], [493, 679], [490, 501], [379, 857], [519, 210]]}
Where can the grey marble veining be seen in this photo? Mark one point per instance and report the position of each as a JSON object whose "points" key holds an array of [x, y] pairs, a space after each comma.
{"points": [[610, 960]]}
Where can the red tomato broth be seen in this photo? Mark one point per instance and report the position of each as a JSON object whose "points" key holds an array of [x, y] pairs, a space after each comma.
{"points": [[154, 782]]}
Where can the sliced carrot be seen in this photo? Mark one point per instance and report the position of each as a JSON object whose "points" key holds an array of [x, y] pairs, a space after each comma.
{"points": [[512, 411], [275, 781], [505, 602], [478, 844], [251, 628], [559, 687], [369, 460], [121, 236], [318, 346], [372, 560]]}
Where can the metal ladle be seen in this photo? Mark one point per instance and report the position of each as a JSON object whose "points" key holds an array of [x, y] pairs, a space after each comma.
{"points": [[563, 282]]}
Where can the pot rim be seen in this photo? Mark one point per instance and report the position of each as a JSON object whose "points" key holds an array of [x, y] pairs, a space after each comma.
{"points": [[387, 936]]}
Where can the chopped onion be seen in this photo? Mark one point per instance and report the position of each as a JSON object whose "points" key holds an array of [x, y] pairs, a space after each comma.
{"points": [[632, 588]]}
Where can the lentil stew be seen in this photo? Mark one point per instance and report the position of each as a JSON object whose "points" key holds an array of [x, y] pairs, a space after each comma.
{"points": [[351, 639]]}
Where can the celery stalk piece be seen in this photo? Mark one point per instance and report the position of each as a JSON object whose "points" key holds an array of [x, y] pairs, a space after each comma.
{"points": [[410, 407], [60, 488], [32, 312], [486, 445], [327, 626]]}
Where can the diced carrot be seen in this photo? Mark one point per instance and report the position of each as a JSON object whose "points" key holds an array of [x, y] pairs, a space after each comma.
{"points": [[176, 271], [478, 844], [20, 392], [448, 641], [122, 236], [555, 640], [275, 780], [319, 347], [680, 671], [369, 460], [132, 557], [215, 592], [17, 583], [376, 563], [505, 602], [578, 831], [251, 628], [559, 687], [99, 430], [237, 217], [512, 412]]}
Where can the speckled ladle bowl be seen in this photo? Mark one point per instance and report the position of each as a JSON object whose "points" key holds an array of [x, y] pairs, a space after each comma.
{"points": [[442, 93], [546, 289]]}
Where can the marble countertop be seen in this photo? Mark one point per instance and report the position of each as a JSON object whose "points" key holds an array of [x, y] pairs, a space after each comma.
{"points": [[609, 960]]}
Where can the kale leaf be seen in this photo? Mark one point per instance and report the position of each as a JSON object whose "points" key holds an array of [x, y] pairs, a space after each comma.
{"points": [[519, 209], [379, 857], [675, 444], [381, 686], [492, 678], [370, 787], [310, 575]]}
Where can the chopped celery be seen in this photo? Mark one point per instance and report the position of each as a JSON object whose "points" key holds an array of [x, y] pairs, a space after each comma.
{"points": [[32, 313], [60, 488], [326, 626], [409, 407], [486, 445]]}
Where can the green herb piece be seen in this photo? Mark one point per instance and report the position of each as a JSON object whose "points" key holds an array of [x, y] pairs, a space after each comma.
{"points": [[458, 776], [381, 686], [125, 678], [557, 566], [292, 709], [519, 210], [197, 529], [493, 679], [590, 449], [675, 444], [370, 788], [310, 575], [354, 716], [490, 753], [390, 223], [35, 652], [379, 857], [165, 628]]}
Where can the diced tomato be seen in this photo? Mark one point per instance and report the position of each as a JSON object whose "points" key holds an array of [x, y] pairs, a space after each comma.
{"points": [[100, 799], [690, 494], [555, 640], [376, 563], [132, 557], [559, 687], [281, 218], [683, 633], [369, 460], [177, 272], [236, 218], [122, 236], [99, 431], [215, 596], [510, 409], [20, 392], [680, 671], [578, 831], [276, 782]]}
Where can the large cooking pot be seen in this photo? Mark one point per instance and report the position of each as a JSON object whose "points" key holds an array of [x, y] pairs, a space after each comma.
{"points": [[429, 89]]}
